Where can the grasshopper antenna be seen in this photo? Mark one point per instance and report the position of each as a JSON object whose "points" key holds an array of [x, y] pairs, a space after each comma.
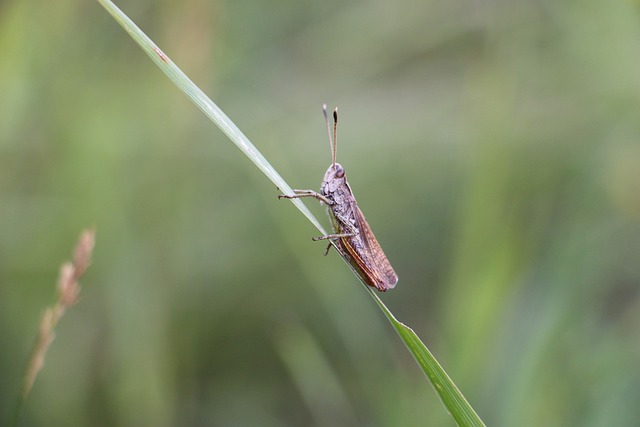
{"points": [[333, 142], [335, 136]]}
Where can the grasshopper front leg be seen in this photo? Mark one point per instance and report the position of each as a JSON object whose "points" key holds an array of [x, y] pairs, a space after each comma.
{"points": [[306, 193]]}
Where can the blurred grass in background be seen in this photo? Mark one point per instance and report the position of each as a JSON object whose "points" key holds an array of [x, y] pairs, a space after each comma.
{"points": [[492, 146]]}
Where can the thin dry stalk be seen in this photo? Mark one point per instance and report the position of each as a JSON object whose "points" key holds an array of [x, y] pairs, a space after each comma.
{"points": [[67, 296]]}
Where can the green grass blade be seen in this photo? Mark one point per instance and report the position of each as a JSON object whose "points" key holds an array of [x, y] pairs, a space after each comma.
{"points": [[449, 394], [208, 107]]}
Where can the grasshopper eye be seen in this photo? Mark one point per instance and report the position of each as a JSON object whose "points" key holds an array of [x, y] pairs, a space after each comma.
{"points": [[339, 172]]}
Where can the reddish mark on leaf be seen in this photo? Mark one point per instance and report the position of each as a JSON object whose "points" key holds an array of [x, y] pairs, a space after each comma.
{"points": [[161, 54]]}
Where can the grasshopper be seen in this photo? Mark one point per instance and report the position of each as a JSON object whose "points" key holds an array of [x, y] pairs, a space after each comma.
{"points": [[352, 235]]}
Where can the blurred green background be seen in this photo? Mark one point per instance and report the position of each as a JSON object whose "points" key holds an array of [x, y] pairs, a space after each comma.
{"points": [[493, 146]]}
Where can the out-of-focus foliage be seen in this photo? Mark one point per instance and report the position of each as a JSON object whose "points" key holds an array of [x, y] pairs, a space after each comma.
{"points": [[494, 148]]}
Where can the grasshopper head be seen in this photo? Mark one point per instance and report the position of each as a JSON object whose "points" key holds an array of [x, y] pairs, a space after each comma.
{"points": [[334, 178]]}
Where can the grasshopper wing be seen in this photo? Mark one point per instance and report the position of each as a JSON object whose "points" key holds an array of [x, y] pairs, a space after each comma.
{"points": [[369, 256]]}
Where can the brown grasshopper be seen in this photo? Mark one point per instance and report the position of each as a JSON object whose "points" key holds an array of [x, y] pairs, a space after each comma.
{"points": [[352, 236]]}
